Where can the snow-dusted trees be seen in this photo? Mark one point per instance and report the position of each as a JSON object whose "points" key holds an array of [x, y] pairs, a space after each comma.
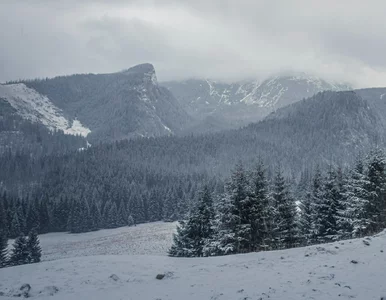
{"points": [[376, 187], [33, 247], [20, 253], [3, 248], [194, 234], [353, 216], [260, 211], [284, 230]]}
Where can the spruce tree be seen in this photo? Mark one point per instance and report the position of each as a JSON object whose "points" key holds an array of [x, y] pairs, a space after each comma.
{"points": [[3, 249], [3, 216], [353, 216], [15, 229], [306, 221], [233, 232], [317, 204], [196, 233], [122, 215], [96, 217], [261, 214], [113, 216], [130, 221], [20, 253], [284, 213], [376, 176], [33, 216], [182, 242], [33, 246]]}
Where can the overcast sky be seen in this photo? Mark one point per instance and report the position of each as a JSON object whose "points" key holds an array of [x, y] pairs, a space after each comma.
{"points": [[337, 39]]}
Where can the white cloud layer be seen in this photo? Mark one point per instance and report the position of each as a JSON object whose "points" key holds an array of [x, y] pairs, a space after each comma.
{"points": [[230, 40]]}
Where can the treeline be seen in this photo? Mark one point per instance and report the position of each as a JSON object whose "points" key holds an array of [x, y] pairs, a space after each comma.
{"points": [[107, 203], [254, 214]]}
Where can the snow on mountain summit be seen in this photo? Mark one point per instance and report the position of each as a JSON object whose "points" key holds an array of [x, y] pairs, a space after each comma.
{"points": [[33, 106]]}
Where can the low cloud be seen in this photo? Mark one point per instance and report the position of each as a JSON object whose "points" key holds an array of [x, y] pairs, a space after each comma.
{"points": [[227, 40]]}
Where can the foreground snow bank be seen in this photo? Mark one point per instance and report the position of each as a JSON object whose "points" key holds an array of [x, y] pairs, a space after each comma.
{"points": [[341, 270]]}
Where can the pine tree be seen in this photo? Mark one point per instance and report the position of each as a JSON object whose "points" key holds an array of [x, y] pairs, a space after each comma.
{"points": [[196, 233], [182, 242], [44, 216], [3, 216], [122, 215], [96, 217], [15, 229], [233, 232], [306, 221], [20, 253], [33, 246], [317, 205], [130, 221], [33, 216], [3, 249], [327, 210], [113, 216], [285, 213], [353, 216], [261, 214], [376, 176]]}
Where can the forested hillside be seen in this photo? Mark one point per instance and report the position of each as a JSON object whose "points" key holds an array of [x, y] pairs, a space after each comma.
{"points": [[158, 178]]}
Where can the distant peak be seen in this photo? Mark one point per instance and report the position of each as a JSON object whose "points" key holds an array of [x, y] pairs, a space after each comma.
{"points": [[146, 69], [142, 68]]}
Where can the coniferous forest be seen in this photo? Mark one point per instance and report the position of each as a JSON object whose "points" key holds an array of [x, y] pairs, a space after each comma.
{"points": [[256, 213]]}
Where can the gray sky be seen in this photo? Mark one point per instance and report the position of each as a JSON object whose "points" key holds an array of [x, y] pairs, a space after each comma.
{"points": [[231, 40]]}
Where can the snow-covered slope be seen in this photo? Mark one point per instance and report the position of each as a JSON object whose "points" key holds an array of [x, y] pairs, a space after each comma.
{"points": [[144, 239], [35, 107], [342, 270]]}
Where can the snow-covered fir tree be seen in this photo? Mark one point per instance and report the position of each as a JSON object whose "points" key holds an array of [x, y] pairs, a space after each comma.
{"points": [[20, 253], [284, 230], [33, 247], [3, 248], [194, 234], [353, 216], [376, 176]]}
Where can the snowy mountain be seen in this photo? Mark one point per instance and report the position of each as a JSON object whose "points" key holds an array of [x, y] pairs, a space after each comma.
{"points": [[109, 107], [351, 269], [248, 101], [31, 105]]}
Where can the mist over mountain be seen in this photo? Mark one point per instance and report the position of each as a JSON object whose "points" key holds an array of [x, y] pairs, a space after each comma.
{"points": [[230, 105]]}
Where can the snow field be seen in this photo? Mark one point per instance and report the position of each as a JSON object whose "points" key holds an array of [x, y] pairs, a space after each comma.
{"points": [[342, 270]]}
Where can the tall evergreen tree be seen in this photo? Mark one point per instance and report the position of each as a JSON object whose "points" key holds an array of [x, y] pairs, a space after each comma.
{"points": [[376, 176], [261, 214], [33, 215], [194, 235], [3, 248], [122, 215], [317, 204], [33, 247], [233, 233], [20, 253], [15, 229], [285, 213], [353, 216], [306, 220], [3, 216]]}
